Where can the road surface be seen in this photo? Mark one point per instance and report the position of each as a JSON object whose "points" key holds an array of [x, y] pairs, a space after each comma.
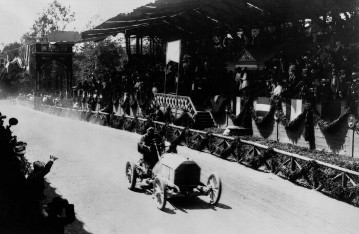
{"points": [[90, 173]]}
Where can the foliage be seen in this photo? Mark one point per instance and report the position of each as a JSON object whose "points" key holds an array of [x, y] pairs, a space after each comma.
{"points": [[257, 161], [83, 61], [203, 142], [321, 155], [232, 148], [12, 50], [14, 79], [54, 18], [102, 59]]}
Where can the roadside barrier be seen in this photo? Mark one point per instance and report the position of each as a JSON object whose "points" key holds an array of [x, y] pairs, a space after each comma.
{"points": [[332, 180]]}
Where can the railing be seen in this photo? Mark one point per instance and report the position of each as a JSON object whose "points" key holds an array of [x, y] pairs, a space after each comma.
{"points": [[339, 182], [176, 102]]}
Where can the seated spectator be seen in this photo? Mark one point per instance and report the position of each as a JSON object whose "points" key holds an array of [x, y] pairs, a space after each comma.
{"points": [[278, 89]]}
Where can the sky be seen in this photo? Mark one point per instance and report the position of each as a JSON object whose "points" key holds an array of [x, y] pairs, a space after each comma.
{"points": [[17, 16]]}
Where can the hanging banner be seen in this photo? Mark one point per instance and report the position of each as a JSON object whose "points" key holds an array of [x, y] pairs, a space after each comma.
{"points": [[173, 51]]}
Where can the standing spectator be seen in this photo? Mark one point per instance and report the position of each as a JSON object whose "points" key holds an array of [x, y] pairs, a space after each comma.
{"points": [[337, 54], [125, 104], [342, 86], [334, 84], [84, 101], [291, 72], [282, 69], [244, 78], [35, 185], [237, 78]]}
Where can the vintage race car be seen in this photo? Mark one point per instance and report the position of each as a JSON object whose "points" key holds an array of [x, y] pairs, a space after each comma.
{"points": [[174, 176]]}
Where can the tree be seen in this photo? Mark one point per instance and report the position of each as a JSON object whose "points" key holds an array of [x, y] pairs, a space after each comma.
{"points": [[83, 61], [55, 18], [101, 58], [12, 50], [108, 54]]}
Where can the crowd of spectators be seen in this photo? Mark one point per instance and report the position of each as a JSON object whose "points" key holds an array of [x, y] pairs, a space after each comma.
{"points": [[326, 71], [22, 190], [322, 74]]}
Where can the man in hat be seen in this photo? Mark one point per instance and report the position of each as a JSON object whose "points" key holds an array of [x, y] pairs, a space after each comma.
{"points": [[35, 180], [35, 185], [146, 147]]}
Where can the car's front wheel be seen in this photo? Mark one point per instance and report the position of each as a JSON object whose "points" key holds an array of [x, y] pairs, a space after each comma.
{"points": [[159, 193], [131, 175], [214, 186]]}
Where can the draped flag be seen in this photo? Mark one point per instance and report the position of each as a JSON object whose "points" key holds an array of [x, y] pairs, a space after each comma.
{"points": [[27, 58], [173, 51], [291, 109]]}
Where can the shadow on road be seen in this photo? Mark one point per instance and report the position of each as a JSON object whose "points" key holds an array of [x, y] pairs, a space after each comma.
{"points": [[194, 203], [183, 203], [77, 227]]}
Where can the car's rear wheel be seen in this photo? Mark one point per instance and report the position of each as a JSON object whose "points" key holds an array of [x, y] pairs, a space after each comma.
{"points": [[131, 175], [214, 186], [159, 193]]}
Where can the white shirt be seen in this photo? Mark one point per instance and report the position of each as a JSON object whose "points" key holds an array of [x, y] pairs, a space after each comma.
{"points": [[278, 90]]}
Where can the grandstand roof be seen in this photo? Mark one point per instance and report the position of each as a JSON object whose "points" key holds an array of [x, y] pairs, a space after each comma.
{"points": [[190, 17]]}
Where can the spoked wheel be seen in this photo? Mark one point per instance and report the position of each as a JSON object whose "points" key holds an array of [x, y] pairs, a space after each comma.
{"points": [[131, 175], [159, 193], [214, 186]]}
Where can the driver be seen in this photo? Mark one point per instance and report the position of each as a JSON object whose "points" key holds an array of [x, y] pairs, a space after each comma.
{"points": [[147, 148]]}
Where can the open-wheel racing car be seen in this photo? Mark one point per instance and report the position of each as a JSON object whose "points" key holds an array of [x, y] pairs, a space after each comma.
{"points": [[173, 176]]}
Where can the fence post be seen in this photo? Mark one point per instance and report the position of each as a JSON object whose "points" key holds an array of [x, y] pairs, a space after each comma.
{"points": [[255, 154], [292, 164], [272, 165], [344, 179], [353, 135]]}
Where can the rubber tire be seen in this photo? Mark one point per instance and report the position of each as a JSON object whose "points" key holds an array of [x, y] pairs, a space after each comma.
{"points": [[131, 171], [217, 186], [159, 189]]}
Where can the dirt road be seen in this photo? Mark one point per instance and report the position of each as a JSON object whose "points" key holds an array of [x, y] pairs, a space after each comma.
{"points": [[90, 173]]}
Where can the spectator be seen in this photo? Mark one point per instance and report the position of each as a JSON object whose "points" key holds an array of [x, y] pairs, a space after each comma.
{"points": [[35, 185], [244, 78], [334, 84], [278, 89]]}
